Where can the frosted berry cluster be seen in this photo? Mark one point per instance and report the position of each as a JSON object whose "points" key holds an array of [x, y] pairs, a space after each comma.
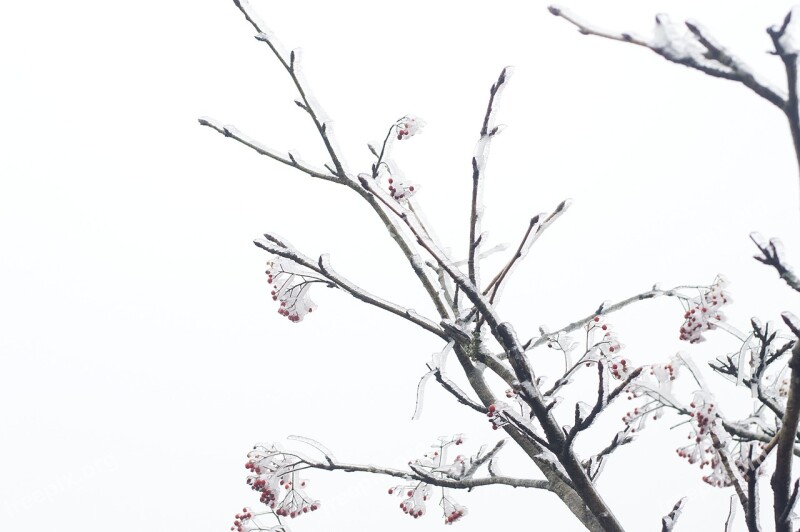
{"points": [[415, 498], [701, 451], [290, 284], [241, 520], [656, 385], [607, 347], [247, 521], [452, 511], [400, 189], [416, 495], [408, 126], [703, 312], [275, 478], [495, 415]]}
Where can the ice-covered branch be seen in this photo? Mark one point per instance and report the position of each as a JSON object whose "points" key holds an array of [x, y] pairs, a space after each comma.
{"points": [[697, 50], [603, 400], [620, 438], [669, 520], [536, 227], [782, 477], [772, 255], [421, 475], [457, 392], [335, 174], [488, 131], [786, 49], [731, 514], [278, 247], [722, 452], [287, 159], [607, 309], [291, 67], [363, 295], [529, 391]]}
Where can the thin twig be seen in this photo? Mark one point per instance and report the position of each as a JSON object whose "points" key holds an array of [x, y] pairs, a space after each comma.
{"points": [[669, 520], [421, 475], [488, 131], [536, 227], [772, 255], [608, 309], [726, 463], [287, 159]]}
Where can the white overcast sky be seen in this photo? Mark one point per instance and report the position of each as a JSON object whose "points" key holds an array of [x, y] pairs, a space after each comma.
{"points": [[141, 355]]}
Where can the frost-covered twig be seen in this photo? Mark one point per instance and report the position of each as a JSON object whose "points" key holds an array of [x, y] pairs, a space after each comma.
{"points": [[290, 65], [287, 159], [457, 392], [731, 514], [536, 227], [338, 174], [363, 295], [604, 309], [787, 51], [323, 267], [603, 400], [620, 438], [722, 452], [700, 52], [669, 520], [484, 458], [488, 131], [772, 255], [420, 474]]}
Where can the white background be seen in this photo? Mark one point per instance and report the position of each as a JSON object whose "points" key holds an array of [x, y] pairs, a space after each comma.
{"points": [[140, 353]]}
